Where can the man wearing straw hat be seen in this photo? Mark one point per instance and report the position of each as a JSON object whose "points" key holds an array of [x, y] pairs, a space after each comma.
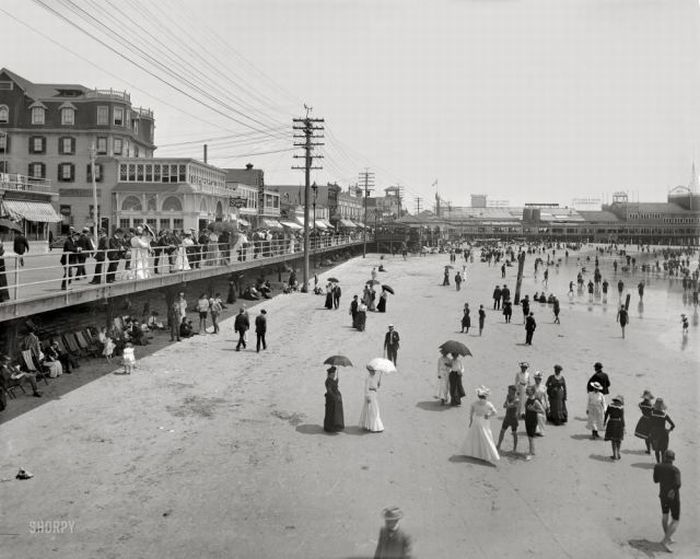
{"points": [[393, 542]]}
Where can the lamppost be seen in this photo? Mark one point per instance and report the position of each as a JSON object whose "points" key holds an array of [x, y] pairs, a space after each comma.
{"points": [[315, 189]]}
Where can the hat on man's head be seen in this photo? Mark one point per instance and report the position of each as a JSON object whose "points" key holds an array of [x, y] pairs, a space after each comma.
{"points": [[558, 368], [598, 365], [524, 364], [669, 454], [391, 325], [86, 229], [392, 513], [263, 311]]}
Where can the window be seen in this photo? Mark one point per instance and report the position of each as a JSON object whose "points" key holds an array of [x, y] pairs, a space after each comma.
{"points": [[172, 204], [132, 172], [156, 173], [66, 172], [136, 151], [4, 114], [182, 173], [152, 223], [127, 147], [66, 145], [164, 224], [101, 145], [124, 223], [102, 116], [178, 224], [118, 119], [131, 204], [118, 146], [37, 170], [136, 127], [139, 173], [37, 144], [38, 115], [149, 174], [123, 172], [67, 116], [137, 221], [128, 119], [4, 143], [98, 172], [151, 206]]}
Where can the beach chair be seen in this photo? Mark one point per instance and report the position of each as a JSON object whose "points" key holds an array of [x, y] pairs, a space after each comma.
{"points": [[86, 345], [10, 386], [31, 366], [72, 343]]}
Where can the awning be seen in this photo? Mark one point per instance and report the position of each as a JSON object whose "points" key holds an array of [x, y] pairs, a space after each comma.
{"points": [[270, 223], [243, 222], [328, 224], [42, 212], [291, 225], [320, 224], [347, 223]]}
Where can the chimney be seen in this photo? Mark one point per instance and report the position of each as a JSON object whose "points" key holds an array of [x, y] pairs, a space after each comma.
{"points": [[205, 153]]}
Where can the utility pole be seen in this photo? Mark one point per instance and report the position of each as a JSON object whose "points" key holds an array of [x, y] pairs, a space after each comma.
{"points": [[95, 210], [418, 201], [367, 178], [308, 126], [420, 227]]}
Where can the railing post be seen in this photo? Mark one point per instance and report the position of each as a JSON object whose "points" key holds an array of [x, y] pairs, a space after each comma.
{"points": [[16, 277]]}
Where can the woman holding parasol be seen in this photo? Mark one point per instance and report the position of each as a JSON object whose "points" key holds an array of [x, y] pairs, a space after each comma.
{"points": [[334, 420], [381, 306], [369, 418], [140, 251]]}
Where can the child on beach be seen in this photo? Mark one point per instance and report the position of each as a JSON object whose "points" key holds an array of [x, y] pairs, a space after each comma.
{"points": [[643, 428], [615, 425], [533, 409], [511, 406], [128, 358]]}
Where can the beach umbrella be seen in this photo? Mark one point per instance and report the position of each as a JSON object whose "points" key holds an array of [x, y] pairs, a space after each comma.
{"points": [[334, 280], [388, 288], [9, 225], [373, 282], [338, 361], [449, 267], [453, 346], [381, 365]]}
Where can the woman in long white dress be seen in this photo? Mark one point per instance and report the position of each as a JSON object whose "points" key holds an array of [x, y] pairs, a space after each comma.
{"points": [[181, 261], [442, 383], [140, 249], [369, 418], [479, 442]]}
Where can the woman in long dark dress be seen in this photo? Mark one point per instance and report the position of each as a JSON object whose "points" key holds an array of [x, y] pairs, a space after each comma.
{"points": [[329, 296], [615, 425], [4, 293], [466, 319], [658, 432], [381, 306], [455, 379], [556, 392], [334, 420], [643, 428]]}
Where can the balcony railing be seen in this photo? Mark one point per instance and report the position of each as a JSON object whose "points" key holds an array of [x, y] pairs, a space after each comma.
{"points": [[120, 95], [13, 181], [146, 113]]}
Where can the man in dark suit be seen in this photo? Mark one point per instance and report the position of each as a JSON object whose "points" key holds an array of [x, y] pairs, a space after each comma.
{"points": [[337, 292], [391, 344], [393, 543], [100, 255], [241, 326], [261, 329], [497, 298], [158, 249], [530, 326], [86, 246], [114, 254], [600, 377], [68, 258]]}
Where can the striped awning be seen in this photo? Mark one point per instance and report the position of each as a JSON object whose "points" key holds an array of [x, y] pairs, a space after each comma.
{"points": [[291, 225], [347, 223], [320, 224], [328, 224], [31, 210], [270, 223], [243, 222]]}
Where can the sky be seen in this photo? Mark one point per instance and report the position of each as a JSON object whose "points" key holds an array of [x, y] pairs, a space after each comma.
{"points": [[523, 100]]}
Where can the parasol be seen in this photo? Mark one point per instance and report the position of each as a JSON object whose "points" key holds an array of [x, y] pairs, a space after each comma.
{"points": [[449, 267], [381, 365], [334, 280], [373, 282], [388, 288], [338, 361], [9, 225], [453, 346]]}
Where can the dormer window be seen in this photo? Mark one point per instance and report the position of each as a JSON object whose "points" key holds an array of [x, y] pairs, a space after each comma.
{"points": [[38, 115], [4, 114], [67, 116]]}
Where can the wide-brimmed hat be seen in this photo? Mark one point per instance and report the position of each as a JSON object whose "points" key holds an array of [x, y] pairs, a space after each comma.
{"points": [[538, 374], [597, 386], [524, 364], [482, 391], [619, 399], [647, 395], [392, 513]]}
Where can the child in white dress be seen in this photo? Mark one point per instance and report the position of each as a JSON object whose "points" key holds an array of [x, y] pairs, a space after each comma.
{"points": [[129, 360]]}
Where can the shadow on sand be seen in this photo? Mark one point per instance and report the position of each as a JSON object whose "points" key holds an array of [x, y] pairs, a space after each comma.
{"points": [[601, 458], [310, 429], [460, 458], [582, 437], [643, 465], [432, 405], [647, 547]]}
